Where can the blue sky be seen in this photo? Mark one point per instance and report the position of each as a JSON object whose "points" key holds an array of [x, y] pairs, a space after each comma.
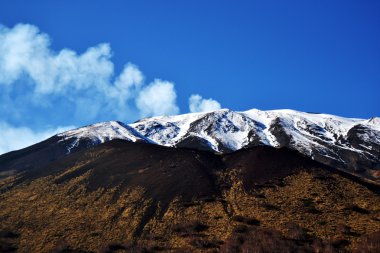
{"points": [[71, 63]]}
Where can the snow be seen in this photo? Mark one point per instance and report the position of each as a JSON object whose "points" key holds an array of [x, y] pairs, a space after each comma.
{"points": [[228, 130], [166, 130], [374, 123], [100, 133]]}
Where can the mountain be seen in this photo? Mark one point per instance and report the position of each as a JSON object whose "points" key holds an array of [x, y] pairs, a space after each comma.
{"points": [[351, 145], [222, 181]]}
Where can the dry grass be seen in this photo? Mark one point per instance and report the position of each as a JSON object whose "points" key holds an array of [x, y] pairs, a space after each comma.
{"points": [[311, 211]]}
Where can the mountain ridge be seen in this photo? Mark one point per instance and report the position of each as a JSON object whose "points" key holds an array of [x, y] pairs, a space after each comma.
{"points": [[349, 144]]}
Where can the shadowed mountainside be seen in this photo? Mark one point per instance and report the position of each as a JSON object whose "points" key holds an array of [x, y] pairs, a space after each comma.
{"points": [[37, 156]]}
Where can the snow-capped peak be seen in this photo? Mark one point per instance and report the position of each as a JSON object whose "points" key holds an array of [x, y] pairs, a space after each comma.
{"points": [[100, 133], [347, 143]]}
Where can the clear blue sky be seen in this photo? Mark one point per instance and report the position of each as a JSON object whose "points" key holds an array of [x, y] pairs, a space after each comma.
{"points": [[318, 56]]}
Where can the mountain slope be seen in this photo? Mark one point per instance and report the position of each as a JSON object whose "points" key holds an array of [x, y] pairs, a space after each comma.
{"points": [[140, 197]]}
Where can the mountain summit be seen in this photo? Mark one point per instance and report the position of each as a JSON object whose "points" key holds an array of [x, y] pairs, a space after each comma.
{"points": [[352, 145]]}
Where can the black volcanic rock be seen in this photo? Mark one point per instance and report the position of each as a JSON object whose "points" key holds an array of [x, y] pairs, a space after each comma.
{"points": [[362, 137], [278, 128]]}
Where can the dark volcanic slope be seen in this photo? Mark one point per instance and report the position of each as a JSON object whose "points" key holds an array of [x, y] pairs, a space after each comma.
{"points": [[120, 195], [164, 173], [261, 164], [38, 155]]}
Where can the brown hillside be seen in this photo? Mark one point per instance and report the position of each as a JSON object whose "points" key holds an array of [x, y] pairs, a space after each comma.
{"points": [[137, 197]]}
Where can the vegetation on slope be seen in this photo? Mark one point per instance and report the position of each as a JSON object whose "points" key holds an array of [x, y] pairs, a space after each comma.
{"points": [[135, 197]]}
